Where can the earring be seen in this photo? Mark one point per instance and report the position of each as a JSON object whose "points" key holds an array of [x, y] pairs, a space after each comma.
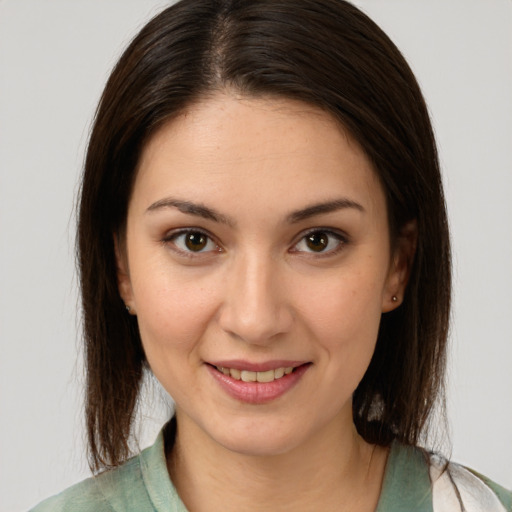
{"points": [[128, 308], [394, 298]]}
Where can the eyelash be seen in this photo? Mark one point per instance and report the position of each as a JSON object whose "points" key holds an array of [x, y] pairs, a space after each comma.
{"points": [[171, 238], [340, 238]]}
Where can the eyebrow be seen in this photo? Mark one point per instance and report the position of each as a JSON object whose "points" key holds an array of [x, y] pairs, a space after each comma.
{"points": [[205, 212], [191, 208], [322, 208]]}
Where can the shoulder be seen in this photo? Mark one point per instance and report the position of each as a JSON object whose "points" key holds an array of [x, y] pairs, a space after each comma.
{"points": [[416, 479], [140, 484], [82, 497], [455, 487], [100, 493]]}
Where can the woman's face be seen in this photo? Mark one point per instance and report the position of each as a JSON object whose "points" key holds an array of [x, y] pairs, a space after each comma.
{"points": [[257, 244]]}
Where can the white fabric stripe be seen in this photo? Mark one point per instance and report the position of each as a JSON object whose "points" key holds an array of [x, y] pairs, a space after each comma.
{"points": [[475, 495]]}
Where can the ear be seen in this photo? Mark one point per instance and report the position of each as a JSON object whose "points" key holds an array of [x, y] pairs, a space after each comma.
{"points": [[400, 267], [124, 283]]}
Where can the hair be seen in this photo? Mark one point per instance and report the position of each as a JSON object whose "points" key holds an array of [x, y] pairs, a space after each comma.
{"points": [[328, 54]]}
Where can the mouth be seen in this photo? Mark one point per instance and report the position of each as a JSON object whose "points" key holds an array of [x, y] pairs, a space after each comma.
{"points": [[250, 376], [257, 383]]}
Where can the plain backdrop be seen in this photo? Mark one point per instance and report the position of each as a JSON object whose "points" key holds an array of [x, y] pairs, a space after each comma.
{"points": [[55, 56]]}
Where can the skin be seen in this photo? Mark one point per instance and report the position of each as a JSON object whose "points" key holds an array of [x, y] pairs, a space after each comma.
{"points": [[258, 292]]}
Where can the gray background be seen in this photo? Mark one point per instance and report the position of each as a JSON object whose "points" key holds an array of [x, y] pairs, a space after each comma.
{"points": [[54, 58]]}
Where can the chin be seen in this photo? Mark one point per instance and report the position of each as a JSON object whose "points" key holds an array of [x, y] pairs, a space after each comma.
{"points": [[258, 439], [258, 447]]}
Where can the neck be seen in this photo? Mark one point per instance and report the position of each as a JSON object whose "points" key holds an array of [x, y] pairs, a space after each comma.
{"points": [[336, 470]]}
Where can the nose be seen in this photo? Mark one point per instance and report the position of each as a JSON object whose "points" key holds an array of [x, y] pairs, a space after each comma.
{"points": [[255, 307]]}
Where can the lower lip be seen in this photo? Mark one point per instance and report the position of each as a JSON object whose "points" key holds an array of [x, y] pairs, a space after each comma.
{"points": [[258, 392]]}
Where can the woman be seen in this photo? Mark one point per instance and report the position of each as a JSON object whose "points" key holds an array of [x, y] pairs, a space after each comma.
{"points": [[262, 226]]}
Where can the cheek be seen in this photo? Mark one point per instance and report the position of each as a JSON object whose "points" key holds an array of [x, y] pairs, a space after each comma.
{"points": [[176, 309], [173, 316], [343, 315], [346, 307], [173, 309]]}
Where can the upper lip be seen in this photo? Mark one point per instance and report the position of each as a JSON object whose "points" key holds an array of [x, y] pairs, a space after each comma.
{"points": [[239, 364]]}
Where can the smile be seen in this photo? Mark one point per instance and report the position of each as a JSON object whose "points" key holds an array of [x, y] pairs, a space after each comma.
{"points": [[248, 376], [257, 383]]}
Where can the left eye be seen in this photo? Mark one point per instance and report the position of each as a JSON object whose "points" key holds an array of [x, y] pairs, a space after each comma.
{"points": [[319, 242], [193, 241]]}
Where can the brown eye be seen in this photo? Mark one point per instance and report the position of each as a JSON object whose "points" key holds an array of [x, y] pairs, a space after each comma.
{"points": [[321, 242], [196, 241], [317, 241], [192, 242]]}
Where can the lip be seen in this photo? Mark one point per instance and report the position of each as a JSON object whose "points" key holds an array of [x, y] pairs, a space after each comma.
{"points": [[257, 392], [240, 364]]}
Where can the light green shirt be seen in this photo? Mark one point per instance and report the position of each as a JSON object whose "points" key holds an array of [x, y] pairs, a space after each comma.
{"points": [[143, 484]]}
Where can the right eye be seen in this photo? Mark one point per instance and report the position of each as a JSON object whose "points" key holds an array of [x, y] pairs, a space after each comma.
{"points": [[192, 241]]}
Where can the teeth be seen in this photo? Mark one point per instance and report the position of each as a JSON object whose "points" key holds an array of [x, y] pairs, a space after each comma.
{"points": [[247, 376], [265, 376], [236, 374]]}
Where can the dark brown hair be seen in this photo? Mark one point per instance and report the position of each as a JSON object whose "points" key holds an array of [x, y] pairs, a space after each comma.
{"points": [[323, 52]]}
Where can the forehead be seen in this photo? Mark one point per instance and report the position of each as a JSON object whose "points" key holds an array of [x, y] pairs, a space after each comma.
{"points": [[239, 123], [256, 147]]}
